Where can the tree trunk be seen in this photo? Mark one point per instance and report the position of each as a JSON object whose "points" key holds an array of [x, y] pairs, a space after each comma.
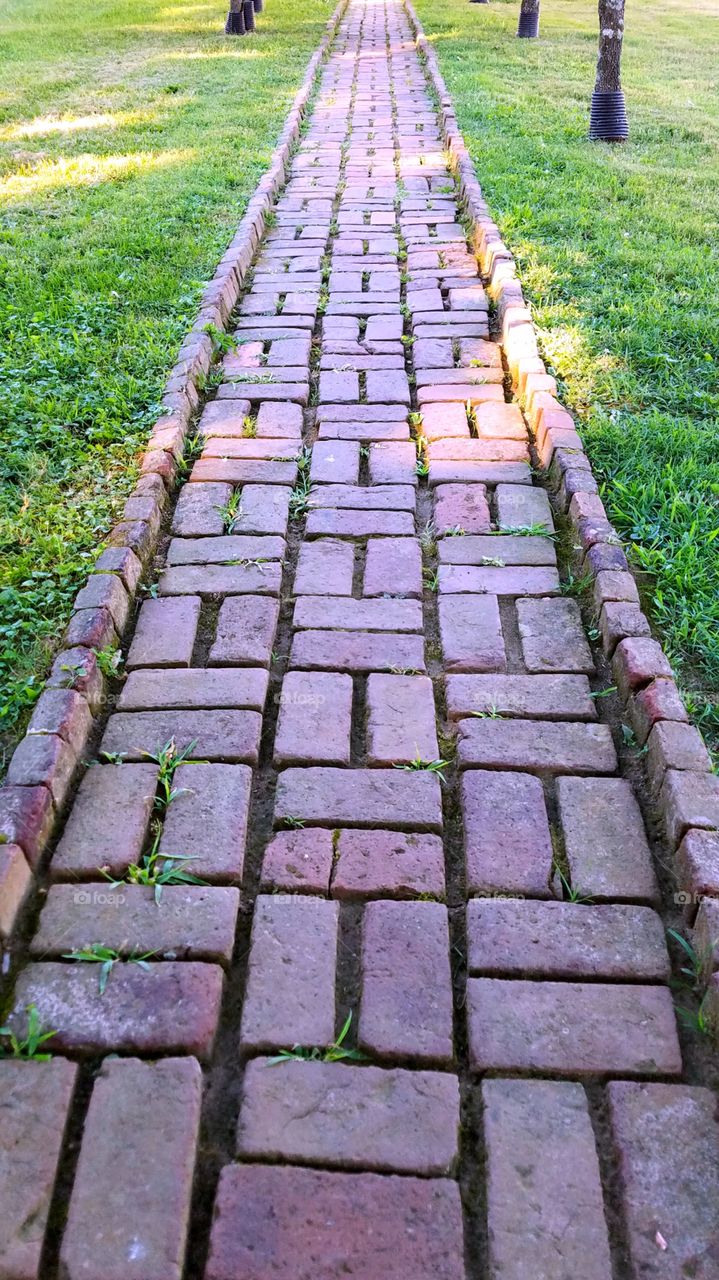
{"points": [[608, 122], [528, 28], [235, 25], [611, 35]]}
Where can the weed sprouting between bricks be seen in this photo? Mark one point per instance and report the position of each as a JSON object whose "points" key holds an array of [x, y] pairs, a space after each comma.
{"points": [[333, 1053], [26, 1046]]}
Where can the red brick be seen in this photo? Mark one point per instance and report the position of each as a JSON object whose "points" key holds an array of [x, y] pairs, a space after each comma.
{"points": [[104, 590], [124, 562], [521, 506], [516, 937], [705, 934], [667, 1146], [44, 760], [315, 719], [143, 1122], [190, 922], [324, 568], [537, 745], [279, 419], [165, 634], [604, 839], [471, 634], [91, 629], [290, 994], [65, 713], [298, 861], [36, 1099], [217, 735], [243, 471], [553, 697], [245, 633], [507, 838], [358, 615], [393, 462], [359, 524], [108, 823], [572, 1028], [172, 1007], [552, 636], [461, 506], [357, 651], [350, 1117], [659, 700], [195, 687], [15, 885], [388, 864], [199, 510], [476, 471], [335, 461], [401, 722], [220, 579], [393, 567], [697, 867], [618, 620], [483, 549], [461, 392], [544, 1191], [689, 800], [207, 821], [291, 1223], [672, 745], [225, 549], [77, 669], [406, 1008], [444, 421], [636, 662], [458, 579], [361, 797]]}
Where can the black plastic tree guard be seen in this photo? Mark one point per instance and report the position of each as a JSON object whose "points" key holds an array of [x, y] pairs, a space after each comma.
{"points": [[608, 120], [235, 25], [528, 28], [248, 10]]}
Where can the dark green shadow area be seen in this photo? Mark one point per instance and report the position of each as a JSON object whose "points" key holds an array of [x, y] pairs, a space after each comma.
{"points": [[132, 133], [618, 251]]}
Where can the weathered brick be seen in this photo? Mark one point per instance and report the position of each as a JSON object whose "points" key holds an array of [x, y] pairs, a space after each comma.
{"points": [[108, 822], [410, 801], [172, 1007], [315, 719], [388, 864], [105, 590], [705, 934], [673, 745], [221, 579], [659, 700], [15, 885], [350, 1117], [324, 568], [544, 1191], [499, 549], [359, 524], [572, 1028], [552, 636], [697, 866], [358, 615], [207, 820], [689, 800], [199, 510], [461, 506], [604, 839], [77, 670], [350, 497], [225, 548], [471, 634], [393, 567], [335, 462], [144, 1120], [406, 1007], [45, 760], [393, 462], [508, 844], [245, 633], [636, 662], [279, 1221], [36, 1099], [197, 687], [165, 633], [617, 620], [290, 995], [565, 940], [217, 735], [520, 506], [189, 922], [553, 697], [299, 861], [91, 629], [401, 724], [65, 713], [667, 1147], [537, 745], [357, 651], [457, 579]]}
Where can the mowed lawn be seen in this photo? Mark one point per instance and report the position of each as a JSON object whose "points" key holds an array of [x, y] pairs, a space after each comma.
{"points": [[618, 251], [132, 133]]}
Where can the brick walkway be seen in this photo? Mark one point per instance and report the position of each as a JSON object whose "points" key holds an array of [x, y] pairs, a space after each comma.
{"points": [[394, 750]]}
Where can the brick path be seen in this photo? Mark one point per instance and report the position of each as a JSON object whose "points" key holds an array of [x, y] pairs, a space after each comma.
{"points": [[358, 585]]}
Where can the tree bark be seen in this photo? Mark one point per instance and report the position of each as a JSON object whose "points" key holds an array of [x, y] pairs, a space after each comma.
{"points": [[611, 35], [528, 19]]}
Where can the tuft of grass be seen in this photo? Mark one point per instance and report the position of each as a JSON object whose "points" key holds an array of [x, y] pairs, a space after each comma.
{"points": [[26, 1046], [231, 511], [336, 1052], [107, 958]]}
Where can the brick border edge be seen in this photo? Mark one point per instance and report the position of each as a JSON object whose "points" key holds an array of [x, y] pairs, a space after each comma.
{"points": [[45, 763], [686, 790]]}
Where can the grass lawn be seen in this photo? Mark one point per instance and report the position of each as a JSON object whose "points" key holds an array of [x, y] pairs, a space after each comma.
{"points": [[618, 250], [131, 134]]}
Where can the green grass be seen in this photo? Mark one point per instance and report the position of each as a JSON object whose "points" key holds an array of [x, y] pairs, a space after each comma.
{"points": [[132, 133], [618, 251]]}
